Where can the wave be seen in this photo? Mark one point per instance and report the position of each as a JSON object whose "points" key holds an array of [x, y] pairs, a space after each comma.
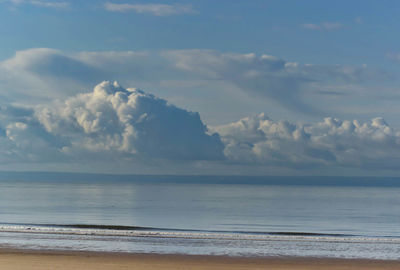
{"points": [[141, 228], [138, 231], [97, 226], [129, 228]]}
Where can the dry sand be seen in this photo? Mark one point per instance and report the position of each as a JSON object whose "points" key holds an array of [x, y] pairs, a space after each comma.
{"points": [[34, 260]]}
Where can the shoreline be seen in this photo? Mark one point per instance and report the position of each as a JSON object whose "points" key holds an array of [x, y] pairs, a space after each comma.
{"points": [[49, 259]]}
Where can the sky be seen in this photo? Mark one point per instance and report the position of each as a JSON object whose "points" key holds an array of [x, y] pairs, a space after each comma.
{"points": [[200, 87]]}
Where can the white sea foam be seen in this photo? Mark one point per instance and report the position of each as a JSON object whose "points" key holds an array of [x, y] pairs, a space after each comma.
{"points": [[196, 243], [187, 234]]}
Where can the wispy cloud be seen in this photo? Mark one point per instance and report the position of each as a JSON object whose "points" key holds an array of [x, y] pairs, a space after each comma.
{"points": [[153, 9], [48, 4], [358, 20], [393, 56], [261, 76], [325, 26]]}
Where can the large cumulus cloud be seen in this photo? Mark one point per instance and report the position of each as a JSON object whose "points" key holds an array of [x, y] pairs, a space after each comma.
{"points": [[110, 122], [261, 141], [129, 126]]}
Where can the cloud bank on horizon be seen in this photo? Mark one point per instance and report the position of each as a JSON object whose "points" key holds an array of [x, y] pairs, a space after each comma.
{"points": [[113, 123], [331, 142]]}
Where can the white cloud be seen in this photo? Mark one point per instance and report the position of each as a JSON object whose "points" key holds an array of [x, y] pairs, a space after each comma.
{"points": [[358, 20], [153, 9], [114, 124], [43, 73], [110, 122], [325, 26], [269, 77], [49, 4], [393, 56], [330, 143]]}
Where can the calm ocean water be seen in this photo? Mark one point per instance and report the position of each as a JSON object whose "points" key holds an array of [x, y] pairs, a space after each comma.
{"points": [[240, 216]]}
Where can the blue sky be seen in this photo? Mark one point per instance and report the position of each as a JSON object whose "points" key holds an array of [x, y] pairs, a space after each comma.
{"points": [[255, 87], [366, 28]]}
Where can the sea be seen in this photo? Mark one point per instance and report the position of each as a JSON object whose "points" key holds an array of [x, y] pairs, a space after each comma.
{"points": [[334, 217]]}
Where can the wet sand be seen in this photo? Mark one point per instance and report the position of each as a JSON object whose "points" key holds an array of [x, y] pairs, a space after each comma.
{"points": [[35, 260]]}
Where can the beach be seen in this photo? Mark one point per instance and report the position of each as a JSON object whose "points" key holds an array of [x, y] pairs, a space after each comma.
{"points": [[43, 260]]}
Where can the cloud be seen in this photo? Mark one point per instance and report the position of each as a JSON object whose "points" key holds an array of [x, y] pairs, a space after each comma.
{"points": [[109, 123], [48, 4], [42, 73], [48, 63], [47, 73], [358, 20], [325, 26], [263, 76], [393, 56], [330, 143], [153, 9], [113, 124], [120, 125], [269, 77]]}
